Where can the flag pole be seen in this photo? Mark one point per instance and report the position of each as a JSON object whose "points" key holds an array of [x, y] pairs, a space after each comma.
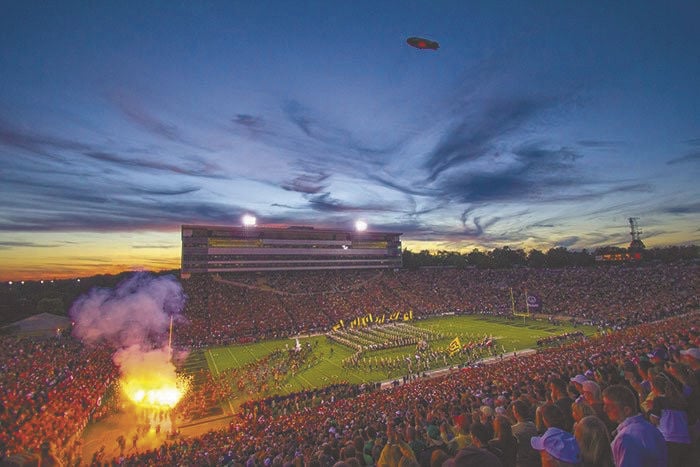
{"points": [[170, 337], [527, 306]]}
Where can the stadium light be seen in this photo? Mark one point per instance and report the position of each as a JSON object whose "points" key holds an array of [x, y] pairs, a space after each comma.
{"points": [[248, 220], [360, 226]]}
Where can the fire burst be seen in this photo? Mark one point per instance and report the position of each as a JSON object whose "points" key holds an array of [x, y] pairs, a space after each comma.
{"points": [[154, 392]]}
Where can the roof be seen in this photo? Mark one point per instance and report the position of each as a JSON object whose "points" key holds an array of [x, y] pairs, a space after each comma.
{"points": [[41, 323]]}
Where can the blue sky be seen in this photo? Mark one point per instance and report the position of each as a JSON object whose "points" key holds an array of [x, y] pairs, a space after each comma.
{"points": [[536, 124]]}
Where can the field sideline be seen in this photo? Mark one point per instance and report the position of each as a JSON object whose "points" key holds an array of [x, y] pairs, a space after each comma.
{"points": [[326, 365]]}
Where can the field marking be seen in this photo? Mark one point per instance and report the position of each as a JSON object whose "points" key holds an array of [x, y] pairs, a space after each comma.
{"points": [[213, 362], [347, 370], [238, 363]]}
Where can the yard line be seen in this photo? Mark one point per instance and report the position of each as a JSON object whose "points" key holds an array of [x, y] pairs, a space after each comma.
{"points": [[213, 362], [238, 363], [344, 369]]}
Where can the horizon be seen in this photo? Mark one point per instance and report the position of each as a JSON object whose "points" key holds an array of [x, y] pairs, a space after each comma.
{"points": [[165, 270], [532, 126]]}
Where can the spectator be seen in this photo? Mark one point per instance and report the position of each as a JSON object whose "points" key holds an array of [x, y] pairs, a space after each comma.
{"points": [[557, 447], [594, 442], [504, 441], [668, 412], [476, 455], [523, 431], [637, 443]]}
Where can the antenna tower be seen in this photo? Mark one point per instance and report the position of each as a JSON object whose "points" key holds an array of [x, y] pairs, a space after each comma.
{"points": [[636, 244]]}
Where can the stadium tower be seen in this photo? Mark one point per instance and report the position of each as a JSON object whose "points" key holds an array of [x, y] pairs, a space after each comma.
{"points": [[636, 245]]}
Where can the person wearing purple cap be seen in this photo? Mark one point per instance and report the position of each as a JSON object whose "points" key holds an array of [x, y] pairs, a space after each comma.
{"points": [[636, 443], [557, 448]]}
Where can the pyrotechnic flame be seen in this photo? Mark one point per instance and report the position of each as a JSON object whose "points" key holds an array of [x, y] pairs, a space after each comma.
{"points": [[155, 393]]}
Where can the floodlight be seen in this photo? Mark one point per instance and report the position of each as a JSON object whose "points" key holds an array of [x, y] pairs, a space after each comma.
{"points": [[248, 220]]}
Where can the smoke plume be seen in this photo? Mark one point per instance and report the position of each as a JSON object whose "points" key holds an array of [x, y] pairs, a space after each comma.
{"points": [[134, 318]]}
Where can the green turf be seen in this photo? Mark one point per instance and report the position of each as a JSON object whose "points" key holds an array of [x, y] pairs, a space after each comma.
{"points": [[326, 367]]}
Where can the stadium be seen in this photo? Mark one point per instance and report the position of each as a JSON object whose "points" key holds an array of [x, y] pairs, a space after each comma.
{"points": [[310, 346]]}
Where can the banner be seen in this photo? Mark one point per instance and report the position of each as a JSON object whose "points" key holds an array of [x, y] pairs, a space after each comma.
{"points": [[534, 303], [368, 319]]}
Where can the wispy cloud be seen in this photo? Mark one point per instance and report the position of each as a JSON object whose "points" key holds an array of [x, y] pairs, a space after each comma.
{"points": [[193, 166], [688, 158], [37, 143], [474, 133]]}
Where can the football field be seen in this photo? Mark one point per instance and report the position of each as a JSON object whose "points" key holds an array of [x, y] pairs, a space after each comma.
{"points": [[325, 362]]}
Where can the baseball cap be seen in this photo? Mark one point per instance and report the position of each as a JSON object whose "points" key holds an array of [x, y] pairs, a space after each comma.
{"points": [[559, 444], [580, 379], [692, 352]]}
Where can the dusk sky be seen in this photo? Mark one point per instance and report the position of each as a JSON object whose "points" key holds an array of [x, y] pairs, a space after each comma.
{"points": [[536, 124]]}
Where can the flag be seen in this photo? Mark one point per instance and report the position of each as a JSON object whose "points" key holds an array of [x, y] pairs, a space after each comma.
{"points": [[454, 346], [534, 303]]}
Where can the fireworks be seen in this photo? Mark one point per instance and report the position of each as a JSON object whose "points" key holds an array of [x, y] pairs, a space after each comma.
{"points": [[154, 392], [149, 379]]}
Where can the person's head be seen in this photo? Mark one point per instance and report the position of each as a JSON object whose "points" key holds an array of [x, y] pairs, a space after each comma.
{"points": [[438, 457], [558, 388], [691, 357], [643, 368], [485, 414], [552, 416], [580, 409], [521, 410], [347, 452], [501, 428], [591, 392], [433, 433], [662, 384], [557, 448], [619, 402], [480, 434], [593, 440]]}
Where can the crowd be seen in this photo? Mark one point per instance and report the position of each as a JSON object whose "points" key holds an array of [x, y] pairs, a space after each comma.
{"points": [[243, 307], [49, 389], [567, 396], [561, 402]]}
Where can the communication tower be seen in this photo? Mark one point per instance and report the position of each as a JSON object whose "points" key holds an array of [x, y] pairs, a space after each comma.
{"points": [[636, 245]]}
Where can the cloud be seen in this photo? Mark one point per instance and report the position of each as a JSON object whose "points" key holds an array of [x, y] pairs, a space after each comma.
{"points": [[477, 228], [75, 212], [146, 120], [536, 173], [325, 203], [165, 192], [248, 121], [475, 133], [7, 244], [692, 208], [321, 130], [688, 158], [194, 167], [568, 242], [310, 183], [36, 143], [599, 144]]}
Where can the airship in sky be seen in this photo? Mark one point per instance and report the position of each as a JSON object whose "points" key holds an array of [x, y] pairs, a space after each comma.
{"points": [[422, 43]]}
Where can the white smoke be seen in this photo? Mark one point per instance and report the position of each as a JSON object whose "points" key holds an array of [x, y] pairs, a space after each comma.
{"points": [[134, 318], [135, 313]]}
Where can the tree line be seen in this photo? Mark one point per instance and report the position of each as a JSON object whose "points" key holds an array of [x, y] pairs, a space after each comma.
{"points": [[558, 257]]}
